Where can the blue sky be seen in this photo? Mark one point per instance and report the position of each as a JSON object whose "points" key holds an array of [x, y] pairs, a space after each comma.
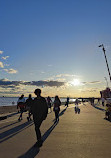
{"points": [[54, 40]]}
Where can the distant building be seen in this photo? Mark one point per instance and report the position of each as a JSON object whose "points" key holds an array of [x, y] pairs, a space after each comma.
{"points": [[106, 93]]}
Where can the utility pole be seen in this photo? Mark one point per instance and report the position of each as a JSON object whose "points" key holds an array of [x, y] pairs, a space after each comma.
{"points": [[106, 60]]}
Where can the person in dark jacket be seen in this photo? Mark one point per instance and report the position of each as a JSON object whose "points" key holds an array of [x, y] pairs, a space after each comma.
{"points": [[21, 105], [39, 111], [29, 103], [67, 102]]}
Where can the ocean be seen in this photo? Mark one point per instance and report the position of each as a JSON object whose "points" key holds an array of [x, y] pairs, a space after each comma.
{"points": [[8, 101]]}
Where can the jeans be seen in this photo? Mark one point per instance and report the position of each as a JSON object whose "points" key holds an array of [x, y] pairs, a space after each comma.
{"points": [[37, 128], [56, 115]]}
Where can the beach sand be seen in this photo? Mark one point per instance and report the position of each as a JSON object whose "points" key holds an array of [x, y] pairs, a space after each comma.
{"points": [[8, 109]]}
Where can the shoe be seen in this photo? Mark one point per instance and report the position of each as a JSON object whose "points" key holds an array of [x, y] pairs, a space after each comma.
{"points": [[40, 143], [28, 119], [19, 119]]}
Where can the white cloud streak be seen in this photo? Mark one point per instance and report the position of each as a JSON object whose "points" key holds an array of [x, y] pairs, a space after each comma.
{"points": [[5, 57], [11, 71], [6, 65], [1, 65], [93, 82], [1, 52]]}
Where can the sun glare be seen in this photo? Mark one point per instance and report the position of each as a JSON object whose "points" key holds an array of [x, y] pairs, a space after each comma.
{"points": [[75, 82]]}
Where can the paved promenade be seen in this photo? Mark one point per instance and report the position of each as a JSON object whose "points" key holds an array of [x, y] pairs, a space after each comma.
{"points": [[84, 135]]}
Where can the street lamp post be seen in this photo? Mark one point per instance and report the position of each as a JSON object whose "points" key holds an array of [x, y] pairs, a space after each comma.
{"points": [[106, 60]]}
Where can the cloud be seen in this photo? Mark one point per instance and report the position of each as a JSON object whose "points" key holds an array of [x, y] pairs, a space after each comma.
{"points": [[1, 65], [19, 85], [11, 84], [5, 57], [65, 77], [42, 72], [1, 52], [4, 79], [45, 83], [5, 83], [90, 90], [49, 65], [6, 65], [92, 82], [11, 71]]}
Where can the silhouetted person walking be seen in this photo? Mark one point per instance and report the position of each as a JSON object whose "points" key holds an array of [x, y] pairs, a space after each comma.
{"points": [[56, 108], [49, 103], [29, 103], [67, 102], [39, 110], [21, 105]]}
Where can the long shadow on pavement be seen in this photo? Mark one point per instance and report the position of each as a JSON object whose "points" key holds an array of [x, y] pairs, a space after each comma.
{"points": [[98, 108], [33, 151], [101, 110], [13, 131], [61, 113], [6, 116], [107, 119], [8, 125], [10, 115]]}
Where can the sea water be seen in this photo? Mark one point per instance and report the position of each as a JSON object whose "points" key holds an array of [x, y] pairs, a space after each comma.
{"points": [[8, 101]]}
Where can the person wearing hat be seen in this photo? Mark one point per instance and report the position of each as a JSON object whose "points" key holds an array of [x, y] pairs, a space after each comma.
{"points": [[39, 111]]}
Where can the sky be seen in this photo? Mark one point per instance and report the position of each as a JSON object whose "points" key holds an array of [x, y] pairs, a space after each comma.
{"points": [[53, 45]]}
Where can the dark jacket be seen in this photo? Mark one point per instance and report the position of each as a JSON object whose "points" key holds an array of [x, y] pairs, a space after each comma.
{"points": [[39, 109], [29, 102]]}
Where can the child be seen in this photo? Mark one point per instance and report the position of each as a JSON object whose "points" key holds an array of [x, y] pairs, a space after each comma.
{"points": [[77, 109]]}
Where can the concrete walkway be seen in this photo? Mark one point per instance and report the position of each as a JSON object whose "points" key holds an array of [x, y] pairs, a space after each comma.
{"points": [[84, 135]]}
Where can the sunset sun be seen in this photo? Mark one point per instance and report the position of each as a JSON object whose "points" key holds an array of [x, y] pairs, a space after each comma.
{"points": [[75, 82]]}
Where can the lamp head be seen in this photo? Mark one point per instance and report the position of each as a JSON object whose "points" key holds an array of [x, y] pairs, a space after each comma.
{"points": [[101, 45]]}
